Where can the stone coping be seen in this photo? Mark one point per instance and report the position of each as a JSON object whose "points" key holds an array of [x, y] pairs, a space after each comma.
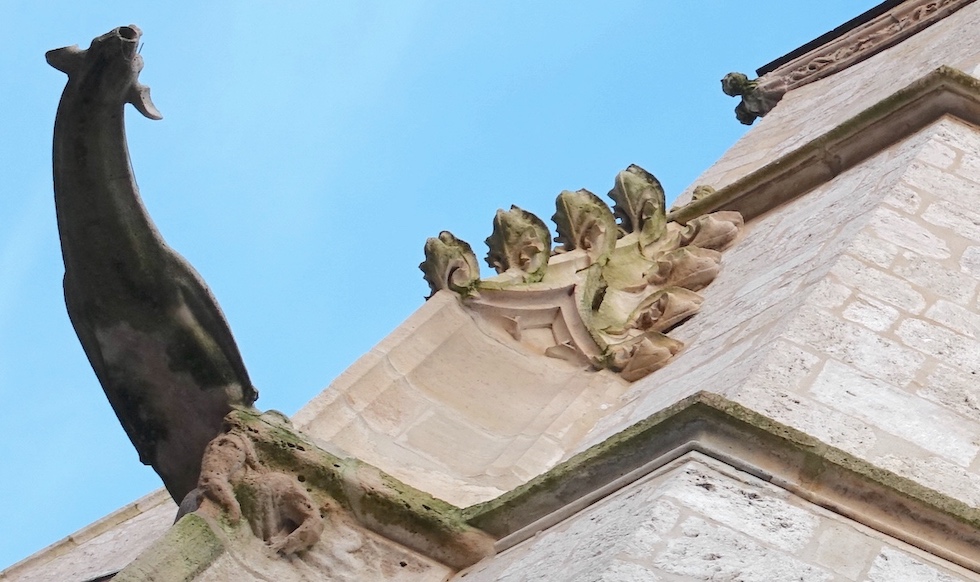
{"points": [[858, 39], [827, 37], [724, 430], [379, 502], [88, 533], [945, 91]]}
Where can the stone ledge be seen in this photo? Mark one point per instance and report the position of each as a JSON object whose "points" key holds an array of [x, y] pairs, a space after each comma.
{"points": [[187, 549], [721, 429], [378, 501], [945, 91], [65, 546]]}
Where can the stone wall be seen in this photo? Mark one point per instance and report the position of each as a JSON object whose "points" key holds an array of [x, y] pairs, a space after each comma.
{"points": [[698, 519], [850, 314]]}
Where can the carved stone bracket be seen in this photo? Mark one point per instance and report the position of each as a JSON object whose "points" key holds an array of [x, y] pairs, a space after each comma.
{"points": [[610, 292], [887, 29], [264, 472]]}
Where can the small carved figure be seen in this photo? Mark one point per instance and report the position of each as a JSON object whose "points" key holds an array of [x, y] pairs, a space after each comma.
{"points": [[150, 327], [756, 101], [278, 509]]}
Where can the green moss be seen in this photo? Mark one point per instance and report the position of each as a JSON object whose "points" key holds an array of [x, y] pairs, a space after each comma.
{"points": [[381, 502], [818, 465], [186, 550]]}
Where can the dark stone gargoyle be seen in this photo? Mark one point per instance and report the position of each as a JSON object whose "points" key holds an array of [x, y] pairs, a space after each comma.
{"points": [[150, 327]]}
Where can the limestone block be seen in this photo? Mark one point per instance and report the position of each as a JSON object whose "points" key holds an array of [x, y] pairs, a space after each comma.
{"points": [[943, 185], [845, 550], [875, 355], [954, 389], [904, 198], [764, 517], [937, 153], [829, 294], [970, 261], [873, 250], [962, 221], [708, 552], [778, 390], [892, 565], [907, 233], [936, 278], [872, 314], [941, 343], [879, 284], [959, 319], [872, 400]]}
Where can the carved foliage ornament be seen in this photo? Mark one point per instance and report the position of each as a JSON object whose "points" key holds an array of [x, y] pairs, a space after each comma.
{"points": [[610, 293], [760, 95]]}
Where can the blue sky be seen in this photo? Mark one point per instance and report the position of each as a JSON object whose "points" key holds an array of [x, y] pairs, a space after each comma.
{"points": [[307, 150]]}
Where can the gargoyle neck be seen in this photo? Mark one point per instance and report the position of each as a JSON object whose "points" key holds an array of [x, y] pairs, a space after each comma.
{"points": [[96, 196]]}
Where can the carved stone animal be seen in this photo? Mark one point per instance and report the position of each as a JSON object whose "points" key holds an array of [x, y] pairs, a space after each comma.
{"points": [[151, 329], [278, 509]]}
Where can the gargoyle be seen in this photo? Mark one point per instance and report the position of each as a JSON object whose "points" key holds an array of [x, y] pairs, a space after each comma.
{"points": [[150, 327]]}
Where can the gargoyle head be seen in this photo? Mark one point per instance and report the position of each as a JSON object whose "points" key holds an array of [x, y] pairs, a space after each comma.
{"points": [[106, 73]]}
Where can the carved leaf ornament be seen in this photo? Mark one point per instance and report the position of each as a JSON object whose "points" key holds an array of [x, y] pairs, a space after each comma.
{"points": [[609, 293]]}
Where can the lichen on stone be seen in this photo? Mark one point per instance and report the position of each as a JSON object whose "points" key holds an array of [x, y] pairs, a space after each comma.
{"points": [[613, 292]]}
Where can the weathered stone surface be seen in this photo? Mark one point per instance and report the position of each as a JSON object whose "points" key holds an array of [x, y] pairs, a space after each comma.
{"points": [[705, 551], [601, 301], [931, 427], [892, 565], [878, 356], [150, 327], [203, 550], [698, 520], [102, 548], [872, 314], [262, 481], [879, 284]]}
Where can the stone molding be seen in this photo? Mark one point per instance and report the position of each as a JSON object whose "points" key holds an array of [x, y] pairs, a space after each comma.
{"points": [[607, 296], [760, 95], [945, 91], [711, 425], [263, 475]]}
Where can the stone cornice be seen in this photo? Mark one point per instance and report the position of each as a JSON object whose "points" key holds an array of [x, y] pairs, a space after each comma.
{"points": [[282, 455], [945, 91], [862, 42], [711, 425]]}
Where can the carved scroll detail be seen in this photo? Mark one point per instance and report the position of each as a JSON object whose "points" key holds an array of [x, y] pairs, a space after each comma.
{"points": [[760, 95], [639, 199], [450, 264], [584, 222], [610, 293], [520, 242]]}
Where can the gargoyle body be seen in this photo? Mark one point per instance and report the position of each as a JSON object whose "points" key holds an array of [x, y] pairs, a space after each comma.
{"points": [[150, 327]]}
